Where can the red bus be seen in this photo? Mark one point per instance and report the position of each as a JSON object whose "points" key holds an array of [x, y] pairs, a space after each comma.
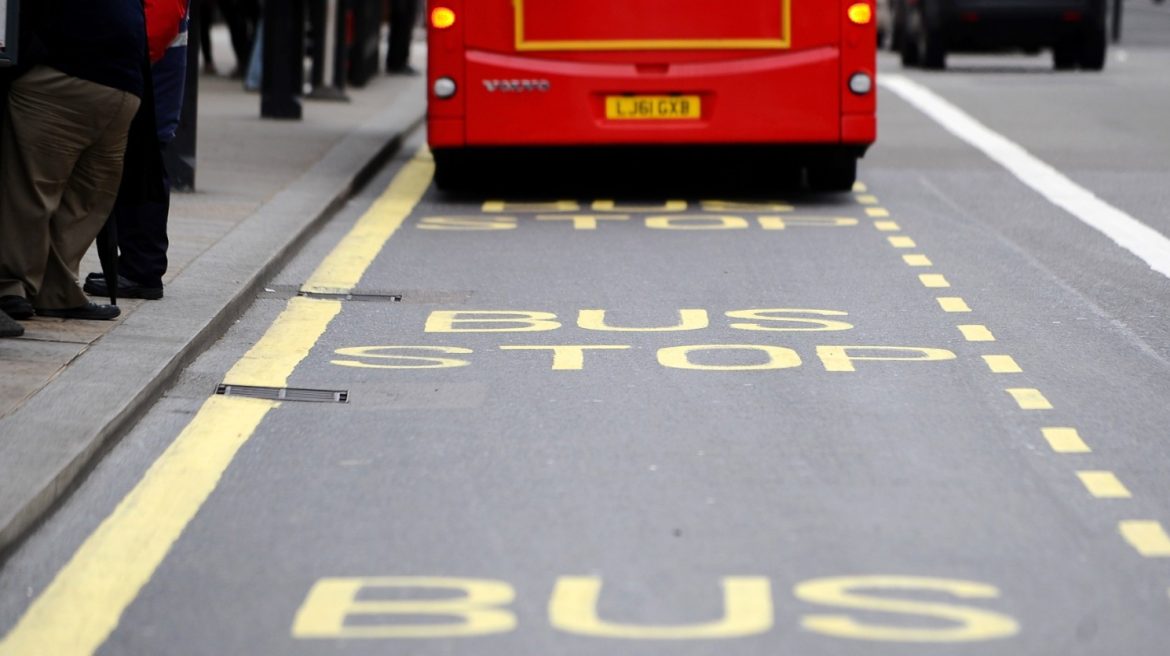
{"points": [[510, 75]]}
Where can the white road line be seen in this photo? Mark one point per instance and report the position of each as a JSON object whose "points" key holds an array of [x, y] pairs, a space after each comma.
{"points": [[1136, 237]]}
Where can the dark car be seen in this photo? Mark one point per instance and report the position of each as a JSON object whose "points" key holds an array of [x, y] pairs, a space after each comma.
{"points": [[925, 31]]}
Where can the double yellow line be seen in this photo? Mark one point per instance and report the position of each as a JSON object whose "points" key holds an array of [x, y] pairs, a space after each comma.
{"points": [[79, 610]]}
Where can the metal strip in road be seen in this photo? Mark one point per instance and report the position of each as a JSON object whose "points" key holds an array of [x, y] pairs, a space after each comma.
{"points": [[82, 606], [1136, 237]]}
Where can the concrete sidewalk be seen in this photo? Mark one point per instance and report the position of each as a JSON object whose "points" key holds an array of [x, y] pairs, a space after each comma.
{"points": [[68, 387]]}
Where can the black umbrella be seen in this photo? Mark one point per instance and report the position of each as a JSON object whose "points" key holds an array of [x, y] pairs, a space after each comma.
{"points": [[107, 249]]}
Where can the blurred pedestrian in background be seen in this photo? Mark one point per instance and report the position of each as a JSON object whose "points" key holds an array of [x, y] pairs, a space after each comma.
{"points": [[206, 18], [80, 84], [403, 16], [242, 18], [142, 223]]}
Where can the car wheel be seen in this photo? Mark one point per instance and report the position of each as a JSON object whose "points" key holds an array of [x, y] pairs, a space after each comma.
{"points": [[1091, 55], [933, 53], [909, 51], [1065, 54], [897, 30], [833, 175]]}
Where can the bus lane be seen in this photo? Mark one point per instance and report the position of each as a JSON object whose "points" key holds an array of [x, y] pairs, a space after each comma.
{"points": [[651, 425]]}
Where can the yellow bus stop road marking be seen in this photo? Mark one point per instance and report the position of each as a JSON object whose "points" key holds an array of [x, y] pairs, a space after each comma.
{"points": [[1002, 364], [1030, 399], [1104, 484], [934, 281], [1065, 440], [976, 332], [83, 604], [1147, 537], [953, 304]]}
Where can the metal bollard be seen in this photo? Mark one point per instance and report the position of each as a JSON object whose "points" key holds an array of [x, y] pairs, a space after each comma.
{"points": [[284, 54], [1117, 12], [330, 53]]}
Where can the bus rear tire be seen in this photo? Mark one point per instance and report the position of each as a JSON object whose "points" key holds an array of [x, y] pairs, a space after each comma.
{"points": [[932, 52], [832, 175]]}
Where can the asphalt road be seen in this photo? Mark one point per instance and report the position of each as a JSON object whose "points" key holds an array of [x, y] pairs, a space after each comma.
{"points": [[927, 417]]}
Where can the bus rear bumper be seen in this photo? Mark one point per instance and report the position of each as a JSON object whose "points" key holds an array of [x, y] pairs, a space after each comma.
{"points": [[785, 98]]}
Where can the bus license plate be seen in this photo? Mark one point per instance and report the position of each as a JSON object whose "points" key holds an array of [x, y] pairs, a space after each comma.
{"points": [[634, 108]]}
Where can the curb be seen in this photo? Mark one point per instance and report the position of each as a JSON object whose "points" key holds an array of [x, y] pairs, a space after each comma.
{"points": [[53, 440]]}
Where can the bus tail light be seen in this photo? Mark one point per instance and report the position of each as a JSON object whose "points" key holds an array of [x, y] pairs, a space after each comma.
{"points": [[861, 13], [858, 62], [447, 73], [442, 18]]}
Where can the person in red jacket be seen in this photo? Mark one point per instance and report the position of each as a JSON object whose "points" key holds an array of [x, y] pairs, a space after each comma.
{"points": [[142, 226], [165, 20]]}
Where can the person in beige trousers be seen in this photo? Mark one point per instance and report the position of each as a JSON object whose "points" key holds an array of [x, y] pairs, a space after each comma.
{"points": [[62, 150]]}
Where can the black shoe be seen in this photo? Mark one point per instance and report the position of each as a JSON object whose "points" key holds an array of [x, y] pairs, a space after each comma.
{"points": [[89, 311], [95, 285], [16, 307], [9, 327]]}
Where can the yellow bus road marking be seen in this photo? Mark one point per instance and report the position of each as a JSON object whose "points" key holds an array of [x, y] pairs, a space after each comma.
{"points": [[1002, 364], [83, 604], [902, 242], [1103, 484], [867, 199], [1065, 440], [934, 281], [953, 304], [887, 226], [976, 333], [917, 260], [341, 271], [500, 206], [1147, 537], [860, 187], [1030, 399], [877, 212]]}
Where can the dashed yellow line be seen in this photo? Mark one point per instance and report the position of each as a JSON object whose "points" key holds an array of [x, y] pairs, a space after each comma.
{"points": [[1002, 364], [1030, 399], [1147, 537], [860, 187], [83, 604], [953, 304], [934, 280], [1065, 440], [1103, 484], [976, 333]]}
